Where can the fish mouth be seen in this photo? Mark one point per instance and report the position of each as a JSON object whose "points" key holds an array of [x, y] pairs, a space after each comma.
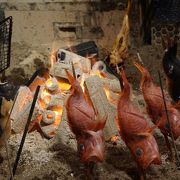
{"points": [[139, 67], [95, 157]]}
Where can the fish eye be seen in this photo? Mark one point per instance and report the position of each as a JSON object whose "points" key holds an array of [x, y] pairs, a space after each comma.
{"points": [[81, 147], [139, 152]]}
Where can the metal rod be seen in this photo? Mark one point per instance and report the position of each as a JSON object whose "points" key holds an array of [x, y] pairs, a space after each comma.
{"points": [[120, 78], [167, 115], [112, 71], [73, 70], [37, 72], [25, 130], [139, 57]]}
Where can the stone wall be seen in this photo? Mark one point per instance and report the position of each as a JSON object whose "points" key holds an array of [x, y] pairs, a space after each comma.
{"points": [[58, 23]]}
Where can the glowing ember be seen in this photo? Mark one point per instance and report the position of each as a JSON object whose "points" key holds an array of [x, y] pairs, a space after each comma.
{"points": [[115, 139], [45, 96], [52, 85], [49, 116], [83, 78], [50, 105], [107, 92], [64, 86], [109, 96], [49, 82], [53, 92], [58, 113]]}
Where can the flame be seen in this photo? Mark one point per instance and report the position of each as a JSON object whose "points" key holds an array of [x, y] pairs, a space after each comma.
{"points": [[82, 82], [97, 72], [63, 86], [115, 139], [58, 112], [107, 92], [46, 96], [49, 82], [49, 116], [42, 103], [112, 97], [45, 93]]}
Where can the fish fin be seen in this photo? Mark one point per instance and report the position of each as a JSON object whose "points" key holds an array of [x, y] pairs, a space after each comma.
{"points": [[70, 77], [117, 124], [148, 132], [87, 97], [139, 67], [103, 74], [88, 133], [101, 123]]}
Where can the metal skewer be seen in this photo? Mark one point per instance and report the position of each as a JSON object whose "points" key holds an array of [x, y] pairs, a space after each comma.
{"points": [[73, 70], [167, 115], [25, 131], [139, 57]]}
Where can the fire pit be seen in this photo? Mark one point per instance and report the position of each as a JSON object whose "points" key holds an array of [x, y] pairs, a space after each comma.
{"points": [[49, 149], [103, 89]]}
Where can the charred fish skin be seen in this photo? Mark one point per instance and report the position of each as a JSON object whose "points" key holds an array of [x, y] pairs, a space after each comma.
{"points": [[171, 66]]}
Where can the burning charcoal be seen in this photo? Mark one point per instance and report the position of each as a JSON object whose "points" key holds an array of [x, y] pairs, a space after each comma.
{"points": [[68, 57], [101, 104], [63, 85], [83, 78], [24, 97], [56, 101], [49, 131], [112, 97], [37, 81], [84, 49], [21, 109], [58, 70], [52, 85], [64, 134], [101, 66], [111, 84], [45, 97], [48, 116], [19, 122]]}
